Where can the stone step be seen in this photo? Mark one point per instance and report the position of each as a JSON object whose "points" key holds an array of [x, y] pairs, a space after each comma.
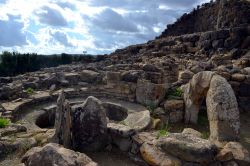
{"points": [[7, 113]]}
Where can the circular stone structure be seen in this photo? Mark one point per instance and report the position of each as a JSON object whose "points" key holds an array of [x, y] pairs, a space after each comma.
{"points": [[38, 111]]}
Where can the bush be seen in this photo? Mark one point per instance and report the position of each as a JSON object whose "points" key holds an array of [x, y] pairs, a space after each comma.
{"points": [[174, 93], [30, 91], [4, 122]]}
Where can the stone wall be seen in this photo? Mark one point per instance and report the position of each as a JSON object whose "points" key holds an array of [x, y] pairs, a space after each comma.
{"points": [[211, 16]]}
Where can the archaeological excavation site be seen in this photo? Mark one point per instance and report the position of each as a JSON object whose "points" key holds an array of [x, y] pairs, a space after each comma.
{"points": [[181, 99]]}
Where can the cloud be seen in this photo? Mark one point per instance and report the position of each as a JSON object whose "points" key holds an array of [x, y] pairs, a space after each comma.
{"points": [[62, 38], [112, 21], [51, 16], [142, 4], [98, 26], [11, 32], [67, 5], [2, 1]]}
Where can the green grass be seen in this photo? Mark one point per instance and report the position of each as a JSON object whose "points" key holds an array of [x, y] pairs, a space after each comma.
{"points": [[4, 122], [30, 91], [163, 132], [174, 93]]}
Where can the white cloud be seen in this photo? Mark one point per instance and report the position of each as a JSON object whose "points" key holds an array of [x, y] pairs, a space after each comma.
{"points": [[62, 38], [11, 32], [110, 20], [98, 26], [51, 16]]}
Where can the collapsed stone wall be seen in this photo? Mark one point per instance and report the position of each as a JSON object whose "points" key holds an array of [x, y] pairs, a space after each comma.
{"points": [[211, 16]]}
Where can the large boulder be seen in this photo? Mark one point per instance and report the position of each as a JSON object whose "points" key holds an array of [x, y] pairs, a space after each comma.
{"points": [[63, 122], [72, 78], [234, 151], [90, 76], [149, 94], [89, 125], [175, 108], [156, 157], [185, 76], [222, 106], [54, 154], [131, 76], [188, 147], [222, 110]]}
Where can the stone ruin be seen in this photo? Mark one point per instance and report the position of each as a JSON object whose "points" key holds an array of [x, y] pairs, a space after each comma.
{"points": [[126, 99], [222, 106]]}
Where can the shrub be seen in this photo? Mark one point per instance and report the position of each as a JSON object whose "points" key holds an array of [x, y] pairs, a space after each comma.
{"points": [[30, 91], [4, 122], [174, 93]]}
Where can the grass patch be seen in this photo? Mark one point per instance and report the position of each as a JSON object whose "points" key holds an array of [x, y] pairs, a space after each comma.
{"points": [[174, 93], [30, 91], [163, 132], [4, 122]]}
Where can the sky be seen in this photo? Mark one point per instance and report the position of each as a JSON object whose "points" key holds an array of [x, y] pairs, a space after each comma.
{"points": [[74, 26]]}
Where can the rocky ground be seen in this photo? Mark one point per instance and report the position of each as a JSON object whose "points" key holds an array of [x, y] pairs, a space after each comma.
{"points": [[142, 103]]}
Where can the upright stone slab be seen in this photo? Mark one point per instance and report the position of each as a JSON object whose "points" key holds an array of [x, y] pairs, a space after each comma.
{"points": [[63, 122], [222, 106], [222, 109], [89, 126]]}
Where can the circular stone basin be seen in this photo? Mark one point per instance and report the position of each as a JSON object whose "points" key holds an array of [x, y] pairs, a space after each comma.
{"points": [[123, 115], [46, 118], [115, 112]]}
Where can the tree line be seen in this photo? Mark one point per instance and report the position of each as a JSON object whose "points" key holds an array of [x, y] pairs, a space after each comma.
{"points": [[14, 63]]}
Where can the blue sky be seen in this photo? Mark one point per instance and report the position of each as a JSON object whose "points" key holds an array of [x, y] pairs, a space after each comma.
{"points": [[73, 26]]}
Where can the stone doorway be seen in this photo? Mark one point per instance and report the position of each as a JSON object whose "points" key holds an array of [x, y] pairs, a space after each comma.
{"points": [[222, 107]]}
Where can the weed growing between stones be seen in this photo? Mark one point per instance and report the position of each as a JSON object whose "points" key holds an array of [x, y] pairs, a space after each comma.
{"points": [[30, 91], [163, 132], [4, 122], [174, 93]]}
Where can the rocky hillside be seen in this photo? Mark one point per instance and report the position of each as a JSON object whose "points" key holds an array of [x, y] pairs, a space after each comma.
{"points": [[194, 44], [213, 16]]}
